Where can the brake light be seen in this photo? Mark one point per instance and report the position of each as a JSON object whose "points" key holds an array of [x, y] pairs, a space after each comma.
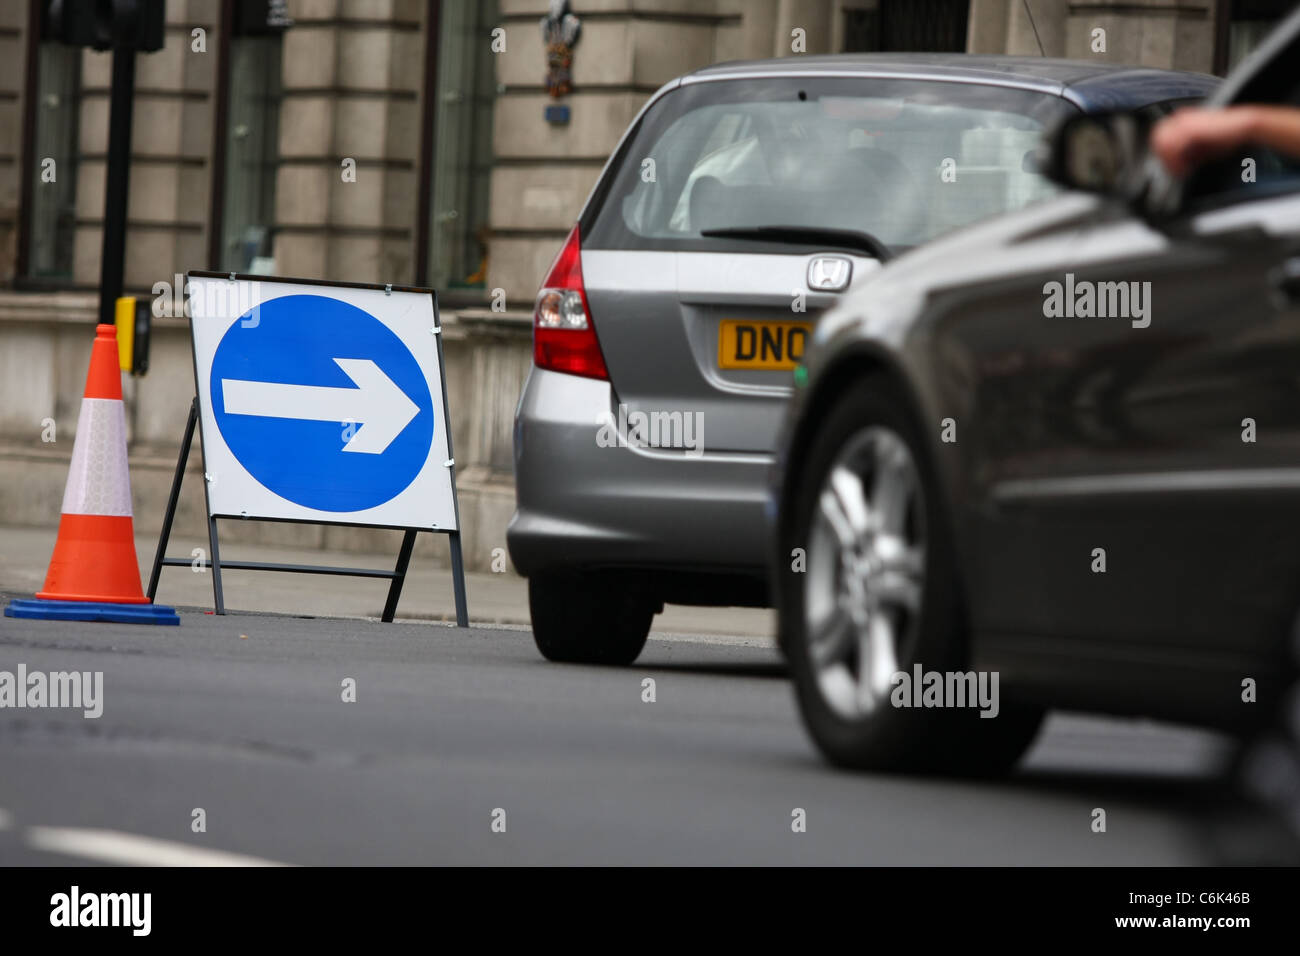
{"points": [[564, 339]]}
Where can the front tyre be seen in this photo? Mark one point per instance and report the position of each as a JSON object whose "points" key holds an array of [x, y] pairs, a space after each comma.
{"points": [[879, 595]]}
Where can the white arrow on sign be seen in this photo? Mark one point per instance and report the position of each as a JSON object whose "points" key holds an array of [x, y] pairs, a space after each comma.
{"points": [[377, 402]]}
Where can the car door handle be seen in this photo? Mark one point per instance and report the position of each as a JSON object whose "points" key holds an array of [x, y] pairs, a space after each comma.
{"points": [[1285, 282]]}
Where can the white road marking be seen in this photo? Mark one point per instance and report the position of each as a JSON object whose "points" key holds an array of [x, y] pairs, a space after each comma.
{"points": [[112, 846], [5, 820]]}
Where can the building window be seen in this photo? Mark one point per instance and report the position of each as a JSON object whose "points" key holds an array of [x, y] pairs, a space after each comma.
{"points": [[1248, 23], [462, 150], [907, 26], [54, 173], [861, 29], [252, 139]]}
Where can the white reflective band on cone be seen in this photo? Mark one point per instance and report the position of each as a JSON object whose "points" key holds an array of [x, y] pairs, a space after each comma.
{"points": [[98, 480]]}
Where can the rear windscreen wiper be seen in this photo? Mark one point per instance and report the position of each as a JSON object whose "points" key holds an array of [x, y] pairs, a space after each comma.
{"points": [[807, 236]]}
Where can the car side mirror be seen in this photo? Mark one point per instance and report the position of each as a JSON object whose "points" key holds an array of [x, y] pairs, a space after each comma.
{"points": [[1102, 153]]}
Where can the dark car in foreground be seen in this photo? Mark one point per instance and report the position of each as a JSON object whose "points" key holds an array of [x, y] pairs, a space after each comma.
{"points": [[745, 200], [1057, 453]]}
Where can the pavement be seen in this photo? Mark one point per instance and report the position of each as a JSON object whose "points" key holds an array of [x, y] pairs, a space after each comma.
{"points": [[493, 598]]}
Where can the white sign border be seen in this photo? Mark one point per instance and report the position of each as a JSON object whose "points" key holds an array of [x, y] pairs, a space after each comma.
{"points": [[428, 503]]}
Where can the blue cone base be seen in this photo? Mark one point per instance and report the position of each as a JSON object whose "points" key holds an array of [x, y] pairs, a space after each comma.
{"points": [[39, 610]]}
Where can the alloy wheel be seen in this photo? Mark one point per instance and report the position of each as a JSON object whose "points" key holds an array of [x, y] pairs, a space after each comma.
{"points": [[866, 571]]}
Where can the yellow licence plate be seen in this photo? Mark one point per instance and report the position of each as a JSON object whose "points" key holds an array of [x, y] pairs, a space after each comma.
{"points": [[743, 343]]}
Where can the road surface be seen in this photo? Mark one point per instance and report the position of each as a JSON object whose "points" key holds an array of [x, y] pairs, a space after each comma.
{"points": [[456, 735]]}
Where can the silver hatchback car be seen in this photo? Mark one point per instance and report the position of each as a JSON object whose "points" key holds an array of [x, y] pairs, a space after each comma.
{"points": [[744, 200]]}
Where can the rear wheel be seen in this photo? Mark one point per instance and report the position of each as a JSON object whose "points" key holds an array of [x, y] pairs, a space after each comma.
{"points": [[588, 618], [880, 595]]}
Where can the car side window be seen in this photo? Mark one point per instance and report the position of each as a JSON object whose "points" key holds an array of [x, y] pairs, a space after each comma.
{"points": [[1249, 173], [1253, 172]]}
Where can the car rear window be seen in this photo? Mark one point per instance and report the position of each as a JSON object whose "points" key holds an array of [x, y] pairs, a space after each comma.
{"points": [[904, 160]]}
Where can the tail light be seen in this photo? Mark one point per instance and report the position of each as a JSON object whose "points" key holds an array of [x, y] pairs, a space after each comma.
{"points": [[564, 340]]}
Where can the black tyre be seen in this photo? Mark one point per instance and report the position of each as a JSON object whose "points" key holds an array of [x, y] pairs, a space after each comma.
{"points": [[588, 618], [879, 595]]}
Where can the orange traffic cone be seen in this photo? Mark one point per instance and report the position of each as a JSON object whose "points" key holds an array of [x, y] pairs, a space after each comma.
{"points": [[94, 574]]}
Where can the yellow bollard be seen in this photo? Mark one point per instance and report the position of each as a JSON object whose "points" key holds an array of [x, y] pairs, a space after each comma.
{"points": [[124, 319]]}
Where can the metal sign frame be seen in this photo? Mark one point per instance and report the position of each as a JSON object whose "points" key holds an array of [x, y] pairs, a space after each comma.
{"points": [[397, 576]]}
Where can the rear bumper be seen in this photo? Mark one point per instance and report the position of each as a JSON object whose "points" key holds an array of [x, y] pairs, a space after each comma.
{"points": [[581, 505]]}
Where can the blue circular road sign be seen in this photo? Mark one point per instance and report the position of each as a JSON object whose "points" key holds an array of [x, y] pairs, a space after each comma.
{"points": [[322, 403]]}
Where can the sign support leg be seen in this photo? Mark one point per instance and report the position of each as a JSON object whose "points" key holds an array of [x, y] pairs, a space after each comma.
{"points": [[458, 580], [219, 604], [399, 576], [165, 535]]}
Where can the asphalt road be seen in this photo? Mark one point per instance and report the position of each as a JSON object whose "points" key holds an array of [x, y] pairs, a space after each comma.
{"points": [[243, 717]]}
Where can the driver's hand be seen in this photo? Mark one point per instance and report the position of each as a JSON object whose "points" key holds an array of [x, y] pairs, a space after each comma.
{"points": [[1194, 136]]}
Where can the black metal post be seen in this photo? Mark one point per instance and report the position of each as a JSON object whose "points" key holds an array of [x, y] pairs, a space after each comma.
{"points": [[113, 254], [399, 577], [173, 498], [458, 580], [218, 600]]}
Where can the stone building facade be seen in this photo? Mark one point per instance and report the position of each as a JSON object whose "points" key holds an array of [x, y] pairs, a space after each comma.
{"points": [[398, 141]]}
